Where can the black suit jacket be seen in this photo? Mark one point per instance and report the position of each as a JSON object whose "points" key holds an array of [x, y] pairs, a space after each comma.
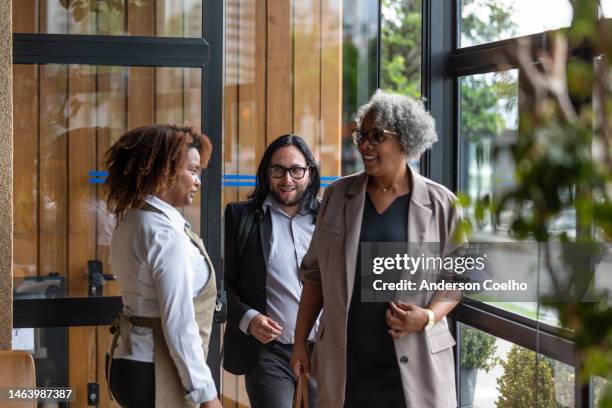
{"points": [[245, 283]]}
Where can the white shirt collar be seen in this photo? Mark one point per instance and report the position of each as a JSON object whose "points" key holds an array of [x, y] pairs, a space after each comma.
{"points": [[271, 202], [169, 211]]}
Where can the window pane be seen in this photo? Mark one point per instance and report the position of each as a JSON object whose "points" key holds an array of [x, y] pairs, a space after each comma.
{"points": [[401, 46], [484, 21], [497, 373], [400, 60], [360, 70], [488, 114], [66, 117], [153, 18]]}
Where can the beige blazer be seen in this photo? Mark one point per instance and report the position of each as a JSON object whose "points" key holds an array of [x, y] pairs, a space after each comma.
{"points": [[425, 358]]}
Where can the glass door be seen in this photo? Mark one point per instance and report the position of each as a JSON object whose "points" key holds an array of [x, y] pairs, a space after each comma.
{"points": [[84, 73]]}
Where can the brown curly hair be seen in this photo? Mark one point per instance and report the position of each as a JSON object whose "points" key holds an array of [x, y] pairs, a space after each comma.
{"points": [[145, 161]]}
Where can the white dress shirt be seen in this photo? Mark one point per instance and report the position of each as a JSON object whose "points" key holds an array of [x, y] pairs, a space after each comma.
{"points": [[289, 242], [160, 272]]}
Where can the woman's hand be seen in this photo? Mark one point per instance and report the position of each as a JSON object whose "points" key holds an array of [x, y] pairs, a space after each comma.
{"points": [[213, 403], [403, 318], [300, 359]]}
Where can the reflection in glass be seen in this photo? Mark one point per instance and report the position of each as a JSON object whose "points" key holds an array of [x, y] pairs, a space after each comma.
{"points": [[360, 66], [401, 46], [484, 21], [400, 61], [154, 18], [66, 117], [488, 114]]}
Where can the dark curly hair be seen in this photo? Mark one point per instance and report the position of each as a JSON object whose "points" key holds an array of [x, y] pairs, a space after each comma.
{"points": [[145, 161]]}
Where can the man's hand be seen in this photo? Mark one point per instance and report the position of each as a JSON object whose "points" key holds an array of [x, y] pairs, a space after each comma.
{"points": [[403, 318], [264, 329], [213, 403]]}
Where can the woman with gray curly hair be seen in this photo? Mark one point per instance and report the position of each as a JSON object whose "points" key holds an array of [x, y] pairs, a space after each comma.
{"points": [[394, 354]]}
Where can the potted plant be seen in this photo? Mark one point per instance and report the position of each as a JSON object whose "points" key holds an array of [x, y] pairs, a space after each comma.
{"points": [[477, 353]]}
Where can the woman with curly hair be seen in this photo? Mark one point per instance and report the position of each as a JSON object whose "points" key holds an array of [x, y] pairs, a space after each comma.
{"points": [[395, 354], [160, 342]]}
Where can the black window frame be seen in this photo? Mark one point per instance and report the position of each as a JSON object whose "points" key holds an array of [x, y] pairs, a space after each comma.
{"points": [[443, 65]]}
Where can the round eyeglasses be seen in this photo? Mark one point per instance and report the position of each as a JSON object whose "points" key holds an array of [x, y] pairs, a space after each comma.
{"points": [[374, 136], [295, 172]]}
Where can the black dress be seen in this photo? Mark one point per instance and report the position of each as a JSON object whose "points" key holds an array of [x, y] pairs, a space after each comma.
{"points": [[372, 375]]}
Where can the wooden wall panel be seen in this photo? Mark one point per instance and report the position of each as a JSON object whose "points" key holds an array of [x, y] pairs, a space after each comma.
{"points": [[251, 82], [331, 88], [192, 116], [279, 90], [25, 166], [169, 18], [82, 361], [307, 71], [168, 95], [111, 112], [111, 109], [141, 80], [141, 17], [192, 97], [230, 95], [53, 181], [302, 40], [81, 159], [81, 220], [25, 17], [140, 96]]}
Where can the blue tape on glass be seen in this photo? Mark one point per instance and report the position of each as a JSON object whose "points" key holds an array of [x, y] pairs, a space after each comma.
{"points": [[229, 180]]}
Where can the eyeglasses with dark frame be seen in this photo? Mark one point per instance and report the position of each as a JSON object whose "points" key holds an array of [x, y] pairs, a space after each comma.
{"points": [[296, 172], [374, 136]]}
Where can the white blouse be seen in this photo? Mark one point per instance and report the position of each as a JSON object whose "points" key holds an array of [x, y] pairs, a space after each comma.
{"points": [[160, 272]]}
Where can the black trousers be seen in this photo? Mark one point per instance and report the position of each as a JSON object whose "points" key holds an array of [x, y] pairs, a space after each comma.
{"points": [[132, 383], [271, 383]]}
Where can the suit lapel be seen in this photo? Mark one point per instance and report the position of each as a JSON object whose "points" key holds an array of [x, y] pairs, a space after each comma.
{"points": [[265, 233], [353, 213]]}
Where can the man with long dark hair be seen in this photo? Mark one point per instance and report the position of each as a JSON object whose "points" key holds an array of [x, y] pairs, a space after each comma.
{"points": [[265, 240]]}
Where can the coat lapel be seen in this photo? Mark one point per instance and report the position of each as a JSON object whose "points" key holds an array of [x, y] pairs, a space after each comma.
{"points": [[419, 212], [353, 213]]}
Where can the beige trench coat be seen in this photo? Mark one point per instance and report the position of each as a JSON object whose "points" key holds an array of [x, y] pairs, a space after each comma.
{"points": [[425, 358]]}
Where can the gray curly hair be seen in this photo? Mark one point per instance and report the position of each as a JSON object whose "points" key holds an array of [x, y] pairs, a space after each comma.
{"points": [[407, 117]]}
